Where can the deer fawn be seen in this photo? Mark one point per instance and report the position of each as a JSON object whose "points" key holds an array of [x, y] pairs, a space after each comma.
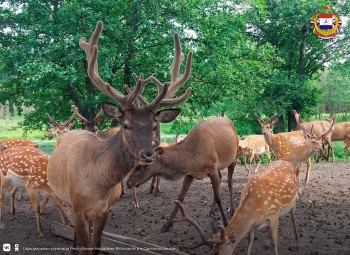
{"points": [[18, 142], [290, 146], [86, 172], [254, 146], [25, 166], [208, 148], [92, 125]]}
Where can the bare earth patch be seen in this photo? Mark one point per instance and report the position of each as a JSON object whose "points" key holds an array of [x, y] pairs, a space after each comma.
{"points": [[323, 215]]}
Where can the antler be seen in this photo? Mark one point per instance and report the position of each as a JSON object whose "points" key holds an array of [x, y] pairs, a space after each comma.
{"points": [[206, 240], [331, 123], [70, 120], [52, 120], [91, 51], [79, 116], [176, 80], [297, 119]]}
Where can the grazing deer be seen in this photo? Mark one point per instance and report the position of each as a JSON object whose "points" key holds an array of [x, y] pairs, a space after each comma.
{"points": [[25, 166], [84, 171], [267, 195], [290, 146], [207, 149], [18, 142], [254, 146], [92, 125], [341, 132], [318, 127]]}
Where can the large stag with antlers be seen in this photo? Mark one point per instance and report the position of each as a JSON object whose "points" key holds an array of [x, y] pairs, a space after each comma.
{"points": [[291, 146], [84, 171], [208, 148]]}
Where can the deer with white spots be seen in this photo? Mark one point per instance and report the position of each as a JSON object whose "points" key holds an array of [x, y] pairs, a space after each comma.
{"points": [[254, 146], [266, 196], [18, 142], [25, 166], [291, 146], [86, 172]]}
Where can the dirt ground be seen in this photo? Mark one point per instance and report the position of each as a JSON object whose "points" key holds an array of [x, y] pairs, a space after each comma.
{"points": [[323, 215]]}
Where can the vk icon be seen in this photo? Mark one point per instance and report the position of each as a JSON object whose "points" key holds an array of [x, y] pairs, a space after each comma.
{"points": [[6, 247]]}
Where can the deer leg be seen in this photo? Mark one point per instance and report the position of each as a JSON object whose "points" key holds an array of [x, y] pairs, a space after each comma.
{"points": [[308, 169], [274, 221], [347, 145], [251, 240], [245, 163], [99, 224], [1, 200], [33, 195], [292, 215], [185, 187], [12, 190], [260, 160], [43, 205], [152, 185], [58, 203], [20, 196], [215, 182], [230, 171], [157, 190], [82, 229]]}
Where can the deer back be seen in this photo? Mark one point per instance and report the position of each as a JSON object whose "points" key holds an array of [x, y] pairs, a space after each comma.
{"points": [[341, 131], [18, 142], [317, 126]]}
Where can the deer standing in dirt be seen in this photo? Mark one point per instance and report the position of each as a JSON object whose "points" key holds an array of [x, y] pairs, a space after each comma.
{"points": [[24, 166], [319, 126], [290, 146], [207, 149], [92, 125], [84, 171], [254, 146], [266, 196]]}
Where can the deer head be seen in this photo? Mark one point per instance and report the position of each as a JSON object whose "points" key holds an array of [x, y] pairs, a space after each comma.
{"points": [[57, 129]]}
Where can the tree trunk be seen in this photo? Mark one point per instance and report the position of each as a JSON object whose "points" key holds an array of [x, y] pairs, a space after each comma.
{"points": [[291, 121], [280, 124]]}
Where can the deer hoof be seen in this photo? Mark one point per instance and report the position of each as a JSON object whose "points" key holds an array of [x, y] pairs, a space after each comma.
{"points": [[166, 228]]}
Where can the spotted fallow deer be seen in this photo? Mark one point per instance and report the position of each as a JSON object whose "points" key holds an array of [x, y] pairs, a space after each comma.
{"points": [[290, 146], [254, 146], [319, 126], [207, 149], [92, 125], [18, 142], [267, 195], [24, 166], [84, 171]]}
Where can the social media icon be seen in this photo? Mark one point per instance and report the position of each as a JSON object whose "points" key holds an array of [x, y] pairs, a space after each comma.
{"points": [[6, 247], [16, 247]]}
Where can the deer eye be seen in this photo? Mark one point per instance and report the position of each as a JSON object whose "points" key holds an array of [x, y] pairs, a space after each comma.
{"points": [[125, 126]]}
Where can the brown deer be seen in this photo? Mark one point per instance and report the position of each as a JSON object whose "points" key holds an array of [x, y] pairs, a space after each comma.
{"points": [[92, 125], [254, 146], [318, 127], [25, 166], [84, 171], [341, 132], [267, 195], [207, 149], [290, 146]]}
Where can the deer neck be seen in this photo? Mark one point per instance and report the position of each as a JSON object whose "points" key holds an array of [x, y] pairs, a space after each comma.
{"points": [[118, 160], [271, 140], [172, 164]]}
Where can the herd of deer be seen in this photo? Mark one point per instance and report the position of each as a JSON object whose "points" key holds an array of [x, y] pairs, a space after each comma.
{"points": [[85, 172]]}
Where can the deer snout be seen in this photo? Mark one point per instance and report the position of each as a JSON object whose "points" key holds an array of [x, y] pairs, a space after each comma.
{"points": [[147, 157]]}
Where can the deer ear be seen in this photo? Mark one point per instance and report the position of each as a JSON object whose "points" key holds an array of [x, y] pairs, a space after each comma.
{"points": [[166, 116], [273, 120], [306, 136], [112, 110], [100, 120], [258, 119]]}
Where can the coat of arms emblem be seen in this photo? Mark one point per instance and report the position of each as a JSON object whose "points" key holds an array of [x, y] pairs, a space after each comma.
{"points": [[326, 23]]}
